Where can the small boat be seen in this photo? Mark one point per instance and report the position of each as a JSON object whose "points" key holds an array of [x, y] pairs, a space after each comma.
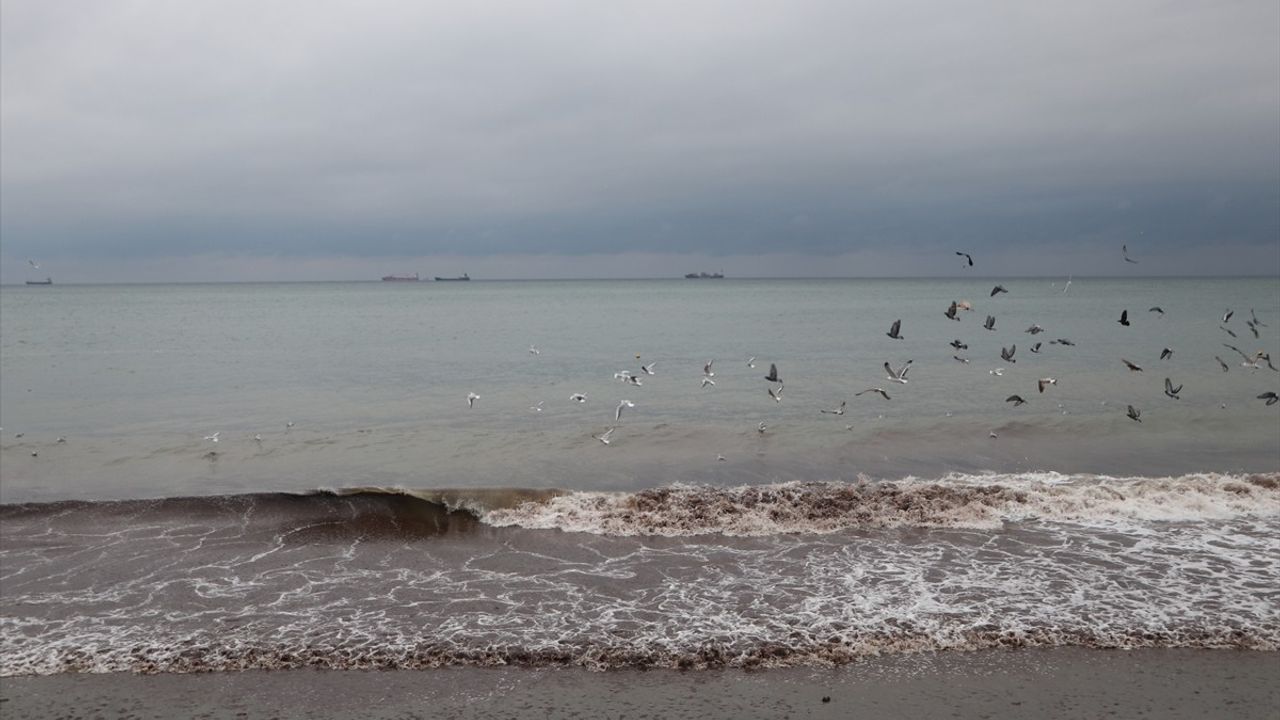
{"points": [[400, 278], [46, 281], [704, 276], [461, 278]]}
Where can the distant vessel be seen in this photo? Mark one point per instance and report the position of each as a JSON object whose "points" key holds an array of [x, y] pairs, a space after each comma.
{"points": [[46, 281], [400, 278], [705, 276], [461, 278]]}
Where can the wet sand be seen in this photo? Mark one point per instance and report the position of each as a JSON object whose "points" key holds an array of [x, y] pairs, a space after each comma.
{"points": [[1050, 683]]}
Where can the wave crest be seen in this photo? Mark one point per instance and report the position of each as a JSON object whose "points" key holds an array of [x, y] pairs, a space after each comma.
{"points": [[957, 501]]}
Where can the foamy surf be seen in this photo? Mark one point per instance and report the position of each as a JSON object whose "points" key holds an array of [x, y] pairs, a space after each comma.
{"points": [[956, 501]]}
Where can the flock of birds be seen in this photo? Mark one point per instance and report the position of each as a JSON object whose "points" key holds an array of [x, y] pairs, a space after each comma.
{"points": [[899, 375]]}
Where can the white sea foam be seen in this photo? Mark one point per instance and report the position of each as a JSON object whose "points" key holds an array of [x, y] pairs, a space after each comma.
{"points": [[957, 501]]}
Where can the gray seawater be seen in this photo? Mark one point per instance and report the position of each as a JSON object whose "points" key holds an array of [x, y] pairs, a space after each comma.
{"points": [[138, 545], [375, 377]]}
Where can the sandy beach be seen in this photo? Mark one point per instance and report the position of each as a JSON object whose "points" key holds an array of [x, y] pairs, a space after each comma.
{"points": [[1054, 683]]}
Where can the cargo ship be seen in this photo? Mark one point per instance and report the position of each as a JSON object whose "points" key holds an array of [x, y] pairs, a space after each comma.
{"points": [[461, 278], [704, 276], [400, 278], [46, 281]]}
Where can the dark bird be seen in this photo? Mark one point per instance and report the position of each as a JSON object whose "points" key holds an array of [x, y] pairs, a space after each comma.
{"points": [[1156, 310], [1016, 400], [1124, 318], [1248, 361], [837, 411], [957, 358], [990, 324], [1035, 330], [966, 257], [1270, 397], [1227, 330], [1061, 341], [1043, 383], [773, 374], [1036, 348], [1252, 328], [1165, 354], [951, 312], [997, 290], [1170, 390], [893, 330], [1130, 365], [1221, 362], [1256, 321], [959, 345], [874, 390], [1135, 414], [1124, 250], [1226, 318], [1006, 354]]}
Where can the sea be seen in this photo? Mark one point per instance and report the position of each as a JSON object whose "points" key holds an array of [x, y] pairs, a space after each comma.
{"points": [[212, 477]]}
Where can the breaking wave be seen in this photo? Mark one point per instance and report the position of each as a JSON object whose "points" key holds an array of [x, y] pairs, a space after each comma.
{"points": [[958, 501]]}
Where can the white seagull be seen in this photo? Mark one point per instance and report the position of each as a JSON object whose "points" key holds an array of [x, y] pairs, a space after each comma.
{"points": [[900, 376], [578, 397], [604, 436], [213, 437], [617, 414], [471, 399]]}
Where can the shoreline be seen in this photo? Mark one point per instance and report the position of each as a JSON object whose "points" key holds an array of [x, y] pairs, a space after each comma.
{"points": [[1064, 682]]}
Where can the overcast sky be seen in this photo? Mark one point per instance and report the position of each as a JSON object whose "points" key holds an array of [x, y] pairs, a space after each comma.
{"points": [[344, 140]]}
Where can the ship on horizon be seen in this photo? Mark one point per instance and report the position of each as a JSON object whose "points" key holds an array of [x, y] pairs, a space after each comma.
{"points": [[461, 278], [46, 281], [400, 278], [705, 276]]}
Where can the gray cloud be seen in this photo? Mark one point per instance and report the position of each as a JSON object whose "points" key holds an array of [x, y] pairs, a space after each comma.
{"points": [[140, 132]]}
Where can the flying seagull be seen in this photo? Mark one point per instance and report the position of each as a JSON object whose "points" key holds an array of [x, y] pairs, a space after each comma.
{"points": [[1227, 330], [1226, 318], [900, 376], [1170, 390], [1130, 365], [777, 396], [990, 324], [761, 427], [578, 397], [617, 414], [604, 436], [1156, 309], [1006, 354], [997, 290], [534, 351], [1165, 354], [951, 312], [893, 330], [1252, 328], [957, 358], [1045, 382], [966, 256], [1225, 367], [773, 374], [1135, 414], [751, 361], [707, 381], [959, 345], [34, 264], [1256, 321], [1036, 348], [706, 369], [213, 437], [538, 407], [1016, 400], [997, 372], [1061, 341], [1066, 287], [837, 411], [648, 369], [884, 394], [1270, 397], [1124, 250], [1124, 318], [471, 399], [1035, 330]]}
